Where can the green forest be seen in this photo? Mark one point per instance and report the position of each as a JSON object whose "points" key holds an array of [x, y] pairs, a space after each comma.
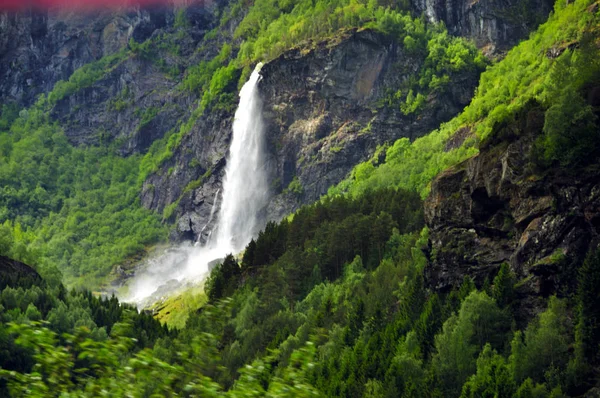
{"points": [[332, 301]]}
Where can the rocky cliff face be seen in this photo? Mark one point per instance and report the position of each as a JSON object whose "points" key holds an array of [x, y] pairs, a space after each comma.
{"points": [[39, 48], [323, 115], [496, 207], [324, 112], [322, 103], [193, 176], [135, 103], [494, 25]]}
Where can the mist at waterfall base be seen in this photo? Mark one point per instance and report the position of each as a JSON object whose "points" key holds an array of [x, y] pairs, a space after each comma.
{"points": [[244, 194]]}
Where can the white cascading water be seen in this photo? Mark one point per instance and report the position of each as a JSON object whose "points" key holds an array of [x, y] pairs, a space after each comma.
{"points": [[245, 193], [245, 189], [210, 218]]}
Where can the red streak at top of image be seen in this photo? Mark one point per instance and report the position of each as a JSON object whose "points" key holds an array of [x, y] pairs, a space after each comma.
{"points": [[16, 5]]}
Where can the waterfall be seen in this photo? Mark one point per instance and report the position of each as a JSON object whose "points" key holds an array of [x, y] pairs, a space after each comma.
{"points": [[245, 188], [245, 193]]}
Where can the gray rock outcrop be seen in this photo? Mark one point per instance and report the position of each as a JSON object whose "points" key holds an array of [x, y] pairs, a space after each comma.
{"points": [[494, 25], [498, 207]]}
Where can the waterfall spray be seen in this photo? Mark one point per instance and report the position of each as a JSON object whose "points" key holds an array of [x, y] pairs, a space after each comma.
{"points": [[245, 193]]}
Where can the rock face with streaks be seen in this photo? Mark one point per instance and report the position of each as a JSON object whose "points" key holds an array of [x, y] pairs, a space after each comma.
{"points": [[323, 115], [498, 207], [135, 102], [495, 25], [192, 177], [39, 48]]}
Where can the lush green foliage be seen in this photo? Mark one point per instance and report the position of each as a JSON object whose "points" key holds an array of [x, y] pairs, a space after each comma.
{"points": [[198, 77], [75, 209], [273, 26], [321, 238], [529, 72], [331, 302], [588, 329], [217, 92], [408, 165], [304, 315], [58, 339], [176, 309]]}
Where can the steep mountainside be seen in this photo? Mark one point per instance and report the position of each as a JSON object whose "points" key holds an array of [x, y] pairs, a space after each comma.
{"points": [[337, 110], [516, 170], [40, 47], [499, 207], [325, 110], [460, 262]]}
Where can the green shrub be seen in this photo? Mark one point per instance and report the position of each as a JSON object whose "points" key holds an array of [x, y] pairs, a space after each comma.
{"points": [[85, 76], [295, 187]]}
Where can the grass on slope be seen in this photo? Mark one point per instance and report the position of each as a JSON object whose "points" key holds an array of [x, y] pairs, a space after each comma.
{"points": [[175, 310]]}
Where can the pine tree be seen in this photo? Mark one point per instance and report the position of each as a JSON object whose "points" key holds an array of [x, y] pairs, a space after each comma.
{"points": [[248, 258], [503, 287], [588, 326]]}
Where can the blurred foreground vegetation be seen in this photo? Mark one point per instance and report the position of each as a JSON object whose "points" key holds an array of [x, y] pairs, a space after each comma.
{"points": [[332, 303]]}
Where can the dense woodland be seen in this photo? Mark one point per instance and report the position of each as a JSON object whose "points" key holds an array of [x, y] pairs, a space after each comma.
{"points": [[331, 301]]}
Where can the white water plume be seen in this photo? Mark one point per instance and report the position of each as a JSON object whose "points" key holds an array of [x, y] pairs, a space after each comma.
{"points": [[210, 218], [245, 193]]}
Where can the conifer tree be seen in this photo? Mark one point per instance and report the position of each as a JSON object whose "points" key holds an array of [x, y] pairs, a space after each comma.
{"points": [[503, 287], [588, 326]]}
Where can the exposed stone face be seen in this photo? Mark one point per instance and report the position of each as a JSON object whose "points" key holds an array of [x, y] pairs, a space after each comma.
{"points": [[495, 25], [201, 156], [135, 102], [39, 48], [321, 117], [323, 114], [494, 208]]}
